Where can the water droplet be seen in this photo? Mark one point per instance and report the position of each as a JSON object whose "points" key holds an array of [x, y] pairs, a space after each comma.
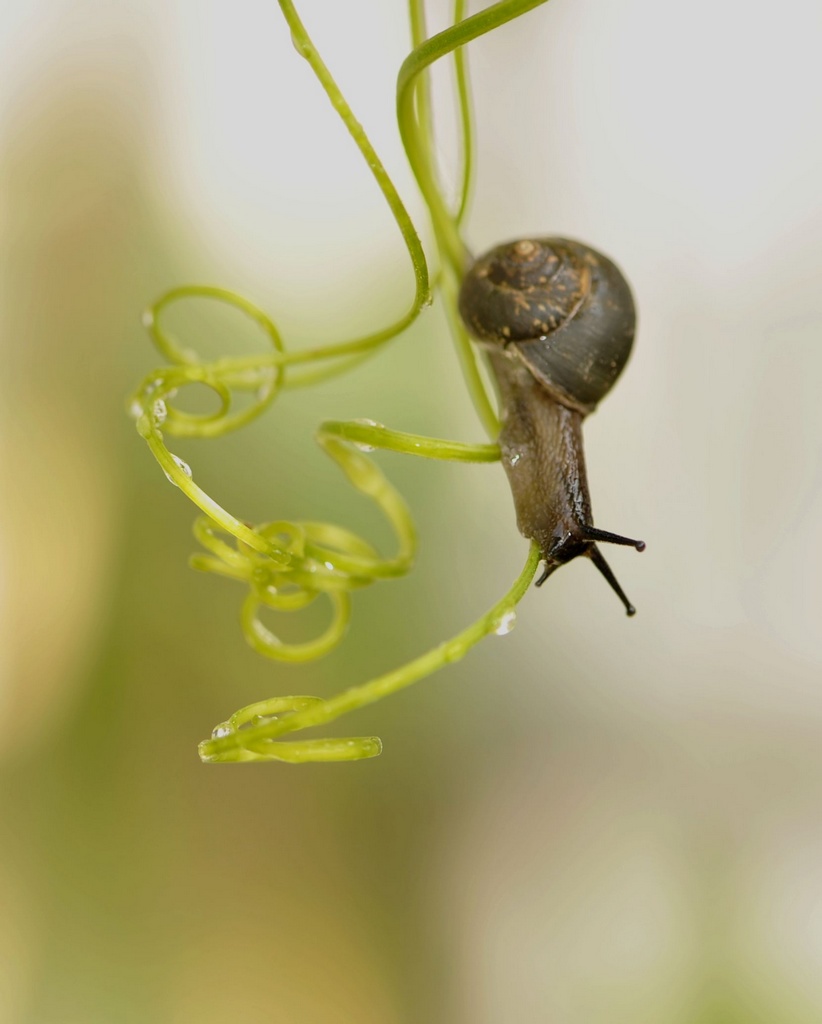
{"points": [[361, 445], [330, 565], [506, 623], [160, 411], [515, 458], [184, 466], [301, 47], [135, 410], [262, 720], [220, 731]]}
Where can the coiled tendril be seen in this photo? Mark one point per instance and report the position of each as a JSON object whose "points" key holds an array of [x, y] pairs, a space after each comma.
{"points": [[289, 565]]}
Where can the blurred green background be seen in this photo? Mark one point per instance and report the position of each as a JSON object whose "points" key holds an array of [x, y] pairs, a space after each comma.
{"points": [[591, 821]]}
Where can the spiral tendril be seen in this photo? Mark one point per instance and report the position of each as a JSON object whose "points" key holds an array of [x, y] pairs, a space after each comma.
{"points": [[253, 733]]}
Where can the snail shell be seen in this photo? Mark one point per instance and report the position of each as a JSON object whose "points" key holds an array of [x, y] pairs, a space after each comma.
{"points": [[557, 320], [565, 308]]}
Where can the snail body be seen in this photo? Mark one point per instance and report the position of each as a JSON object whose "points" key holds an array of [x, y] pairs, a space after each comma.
{"points": [[557, 321]]}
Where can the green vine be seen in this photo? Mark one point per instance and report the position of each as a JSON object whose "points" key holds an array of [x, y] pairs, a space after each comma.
{"points": [[289, 565]]}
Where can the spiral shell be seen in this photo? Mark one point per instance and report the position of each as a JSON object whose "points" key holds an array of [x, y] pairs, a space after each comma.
{"points": [[562, 308]]}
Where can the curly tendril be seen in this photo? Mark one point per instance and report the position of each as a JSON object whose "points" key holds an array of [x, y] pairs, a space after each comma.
{"points": [[326, 559], [252, 734], [287, 566]]}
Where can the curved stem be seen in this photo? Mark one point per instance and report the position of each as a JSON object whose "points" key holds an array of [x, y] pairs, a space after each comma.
{"points": [[465, 119], [287, 565], [467, 355], [305, 47], [415, 129], [237, 741], [411, 131], [374, 435]]}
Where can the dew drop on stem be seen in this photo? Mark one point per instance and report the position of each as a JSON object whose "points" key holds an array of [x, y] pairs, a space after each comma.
{"points": [[506, 624], [183, 466]]}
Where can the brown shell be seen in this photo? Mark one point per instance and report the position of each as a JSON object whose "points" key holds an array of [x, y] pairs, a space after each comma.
{"points": [[564, 308]]}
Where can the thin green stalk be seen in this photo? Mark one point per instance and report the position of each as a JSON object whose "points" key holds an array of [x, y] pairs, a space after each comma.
{"points": [[233, 741], [467, 356], [305, 47], [416, 147], [465, 119], [287, 565], [415, 129], [374, 435]]}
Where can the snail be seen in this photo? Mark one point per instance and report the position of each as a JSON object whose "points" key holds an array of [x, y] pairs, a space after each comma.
{"points": [[557, 321]]}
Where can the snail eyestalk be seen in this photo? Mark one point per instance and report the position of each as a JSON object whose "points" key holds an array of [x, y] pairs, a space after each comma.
{"points": [[596, 557], [591, 533]]}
